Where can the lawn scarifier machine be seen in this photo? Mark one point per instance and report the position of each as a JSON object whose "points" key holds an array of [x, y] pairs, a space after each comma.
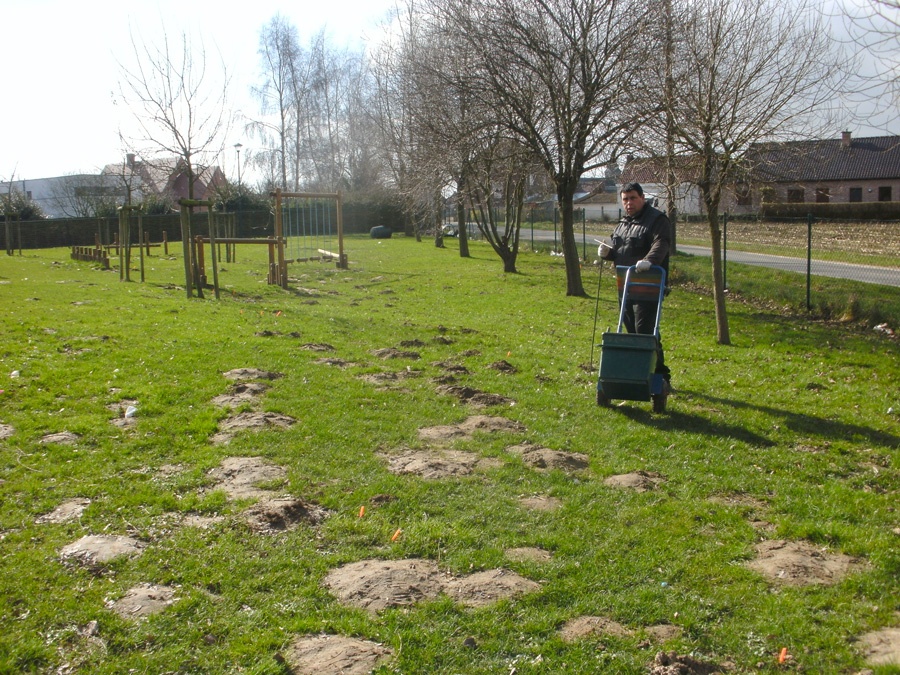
{"points": [[628, 360]]}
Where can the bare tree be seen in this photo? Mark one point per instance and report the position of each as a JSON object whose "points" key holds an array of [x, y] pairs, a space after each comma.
{"points": [[873, 29], [558, 74], [746, 72], [181, 108]]}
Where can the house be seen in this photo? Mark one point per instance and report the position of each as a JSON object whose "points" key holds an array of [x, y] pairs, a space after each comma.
{"points": [[168, 178], [843, 170], [840, 170], [73, 196], [650, 172]]}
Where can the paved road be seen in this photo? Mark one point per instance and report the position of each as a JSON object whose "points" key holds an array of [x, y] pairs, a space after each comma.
{"points": [[870, 274]]}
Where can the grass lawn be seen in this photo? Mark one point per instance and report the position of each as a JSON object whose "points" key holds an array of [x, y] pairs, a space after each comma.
{"points": [[790, 435]]}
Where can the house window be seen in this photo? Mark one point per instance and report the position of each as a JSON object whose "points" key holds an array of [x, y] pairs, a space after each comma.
{"points": [[855, 194], [743, 195], [884, 193], [795, 196], [823, 196]]}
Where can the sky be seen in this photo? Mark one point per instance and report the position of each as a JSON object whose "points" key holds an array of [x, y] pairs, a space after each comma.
{"points": [[61, 110]]}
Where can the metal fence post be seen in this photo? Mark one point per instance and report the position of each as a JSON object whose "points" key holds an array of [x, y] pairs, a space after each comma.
{"points": [[809, 223]]}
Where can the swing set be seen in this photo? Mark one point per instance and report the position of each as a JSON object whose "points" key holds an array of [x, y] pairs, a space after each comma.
{"points": [[306, 226]]}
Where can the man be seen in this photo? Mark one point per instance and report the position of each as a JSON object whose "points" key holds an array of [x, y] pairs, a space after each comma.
{"points": [[642, 238]]}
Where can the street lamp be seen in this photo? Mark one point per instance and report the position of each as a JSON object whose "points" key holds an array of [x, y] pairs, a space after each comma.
{"points": [[237, 147]]}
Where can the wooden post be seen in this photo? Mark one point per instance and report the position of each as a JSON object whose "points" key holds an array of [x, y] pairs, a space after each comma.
{"points": [[342, 257], [186, 246], [212, 255], [165, 243]]}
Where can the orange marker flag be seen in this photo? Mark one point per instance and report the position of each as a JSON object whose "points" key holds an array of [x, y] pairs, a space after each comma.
{"points": [[397, 534], [362, 511], [782, 657]]}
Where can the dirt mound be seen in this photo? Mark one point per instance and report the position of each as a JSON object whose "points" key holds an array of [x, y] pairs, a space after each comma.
{"points": [[317, 347], [333, 361], [540, 503], [670, 663], [467, 428], [251, 374], [436, 464], [641, 481], [254, 421], [484, 588], [393, 353], [334, 655], [98, 549], [473, 396], [240, 477], [282, 514], [538, 457], [66, 512], [800, 563], [882, 647], [143, 600], [451, 368], [588, 626], [240, 393], [503, 367], [60, 438], [389, 377], [375, 585]]}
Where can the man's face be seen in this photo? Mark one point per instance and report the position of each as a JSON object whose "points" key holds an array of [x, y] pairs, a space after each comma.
{"points": [[632, 202]]}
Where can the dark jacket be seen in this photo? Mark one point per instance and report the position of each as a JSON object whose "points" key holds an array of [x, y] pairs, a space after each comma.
{"points": [[646, 234]]}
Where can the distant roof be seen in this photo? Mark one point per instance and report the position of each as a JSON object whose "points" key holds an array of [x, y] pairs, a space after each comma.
{"points": [[843, 158]]}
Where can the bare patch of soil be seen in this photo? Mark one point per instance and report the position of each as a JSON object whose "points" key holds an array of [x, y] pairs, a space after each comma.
{"points": [[540, 503], [253, 421], [467, 428], [670, 663], [484, 588], [662, 632], [592, 626], [539, 457], [201, 522], [240, 393], [503, 367], [528, 554], [283, 514], [473, 396], [69, 510], [800, 563], [436, 464], [882, 647], [334, 655], [98, 549], [251, 374], [641, 481], [60, 438], [240, 477], [143, 600], [412, 343], [443, 340], [393, 353], [375, 585], [6, 431]]}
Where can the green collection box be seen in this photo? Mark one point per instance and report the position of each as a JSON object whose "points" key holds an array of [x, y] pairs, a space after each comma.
{"points": [[627, 361]]}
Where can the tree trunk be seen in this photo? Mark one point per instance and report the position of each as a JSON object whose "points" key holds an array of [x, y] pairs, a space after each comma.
{"points": [[574, 286], [461, 222], [722, 333]]}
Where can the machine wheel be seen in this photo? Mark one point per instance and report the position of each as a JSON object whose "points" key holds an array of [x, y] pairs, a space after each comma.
{"points": [[659, 400], [603, 399]]}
